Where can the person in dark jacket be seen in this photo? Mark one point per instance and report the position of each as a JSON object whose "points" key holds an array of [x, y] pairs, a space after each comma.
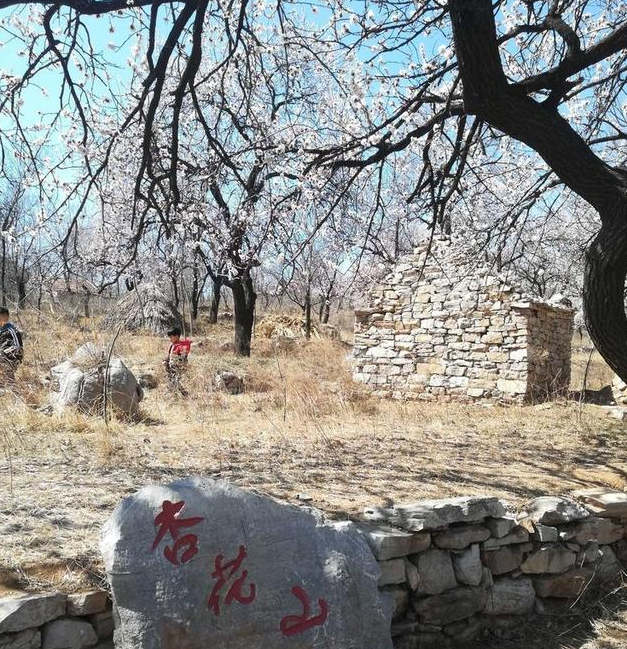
{"points": [[11, 347]]}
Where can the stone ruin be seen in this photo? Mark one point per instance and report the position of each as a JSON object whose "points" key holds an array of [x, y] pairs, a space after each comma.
{"points": [[442, 325]]}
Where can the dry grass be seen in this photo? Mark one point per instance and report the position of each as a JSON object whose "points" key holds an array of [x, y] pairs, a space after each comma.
{"points": [[301, 427]]}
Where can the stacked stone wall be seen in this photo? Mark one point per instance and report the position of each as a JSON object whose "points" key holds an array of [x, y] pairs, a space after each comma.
{"points": [[463, 568], [441, 326]]}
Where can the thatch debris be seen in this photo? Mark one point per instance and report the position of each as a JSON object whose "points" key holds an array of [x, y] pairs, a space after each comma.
{"points": [[147, 307]]}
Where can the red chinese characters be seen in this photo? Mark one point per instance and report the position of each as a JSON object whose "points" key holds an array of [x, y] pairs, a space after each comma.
{"points": [[223, 573], [294, 624], [169, 522]]}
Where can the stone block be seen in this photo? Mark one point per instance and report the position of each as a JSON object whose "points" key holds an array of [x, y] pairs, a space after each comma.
{"points": [[568, 585], [27, 639], [66, 633], [390, 543], [411, 575], [510, 597], [601, 530], [454, 605], [400, 600], [500, 527], [435, 569], [391, 572], [553, 510], [549, 559], [433, 515], [509, 386], [467, 566], [103, 624], [518, 535], [603, 503], [502, 560], [87, 603], [20, 613], [457, 538]]}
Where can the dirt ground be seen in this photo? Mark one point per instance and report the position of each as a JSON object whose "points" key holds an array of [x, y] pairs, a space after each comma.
{"points": [[302, 427]]}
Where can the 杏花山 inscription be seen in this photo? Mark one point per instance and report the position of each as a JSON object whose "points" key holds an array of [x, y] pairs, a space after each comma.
{"points": [[201, 564]]}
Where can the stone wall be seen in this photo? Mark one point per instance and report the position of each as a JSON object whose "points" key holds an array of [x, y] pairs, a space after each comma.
{"points": [[441, 325], [56, 621], [454, 569], [460, 568]]}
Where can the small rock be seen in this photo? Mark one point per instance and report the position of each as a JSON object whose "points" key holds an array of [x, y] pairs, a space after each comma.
{"points": [[436, 571], [391, 572], [510, 597], [87, 603], [500, 527], [550, 510], [544, 533], [467, 566], [451, 606], [389, 543], [229, 381], [147, 381], [68, 634], [458, 538], [549, 560]]}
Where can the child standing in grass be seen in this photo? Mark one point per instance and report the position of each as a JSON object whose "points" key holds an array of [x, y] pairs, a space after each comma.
{"points": [[176, 361], [11, 348]]}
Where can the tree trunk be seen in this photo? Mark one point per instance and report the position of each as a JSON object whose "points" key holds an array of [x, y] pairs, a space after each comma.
{"points": [[308, 312], [215, 300], [244, 298], [506, 106], [326, 311]]}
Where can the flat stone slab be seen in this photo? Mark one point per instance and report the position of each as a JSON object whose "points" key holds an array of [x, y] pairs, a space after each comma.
{"points": [[390, 543], [606, 504], [87, 603], [200, 563], [436, 515], [21, 613]]}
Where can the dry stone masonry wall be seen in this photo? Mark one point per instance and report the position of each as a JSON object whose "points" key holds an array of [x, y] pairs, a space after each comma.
{"points": [[461, 568], [440, 325], [436, 573]]}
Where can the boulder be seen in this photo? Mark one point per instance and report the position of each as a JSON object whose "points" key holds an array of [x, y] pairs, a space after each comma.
{"points": [[200, 563], [21, 613], [510, 597], [603, 503], [551, 510], [81, 382], [68, 634], [230, 382], [428, 515]]}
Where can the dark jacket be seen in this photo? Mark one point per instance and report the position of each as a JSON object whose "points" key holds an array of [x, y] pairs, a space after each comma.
{"points": [[11, 347]]}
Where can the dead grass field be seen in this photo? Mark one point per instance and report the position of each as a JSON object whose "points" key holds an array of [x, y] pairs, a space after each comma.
{"points": [[302, 427]]}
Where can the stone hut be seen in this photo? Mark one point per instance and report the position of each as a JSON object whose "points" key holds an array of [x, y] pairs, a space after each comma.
{"points": [[443, 325]]}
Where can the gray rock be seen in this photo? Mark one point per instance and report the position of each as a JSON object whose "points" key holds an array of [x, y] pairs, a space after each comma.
{"points": [[606, 504], [21, 613], [82, 385], [28, 639], [550, 510], [458, 538], [601, 530], [147, 381], [390, 543], [229, 381], [518, 535], [568, 585], [467, 566], [550, 559], [510, 597], [391, 572], [275, 560], [68, 634], [502, 560], [87, 603], [103, 623], [500, 527], [544, 533], [411, 574], [438, 514], [456, 604], [435, 570], [400, 599], [609, 566]]}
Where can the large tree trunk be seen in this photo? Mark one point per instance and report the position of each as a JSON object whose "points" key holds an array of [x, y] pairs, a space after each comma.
{"points": [[308, 312], [244, 298], [506, 106], [215, 300]]}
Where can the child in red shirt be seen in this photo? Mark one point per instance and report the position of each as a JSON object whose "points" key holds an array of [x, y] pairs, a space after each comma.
{"points": [[176, 361]]}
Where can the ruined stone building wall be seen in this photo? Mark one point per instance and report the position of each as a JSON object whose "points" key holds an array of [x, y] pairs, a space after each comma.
{"points": [[441, 325]]}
